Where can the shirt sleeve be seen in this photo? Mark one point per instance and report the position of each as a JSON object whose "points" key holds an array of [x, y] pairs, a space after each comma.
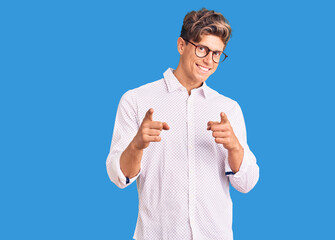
{"points": [[246, 178], [125, 129]]}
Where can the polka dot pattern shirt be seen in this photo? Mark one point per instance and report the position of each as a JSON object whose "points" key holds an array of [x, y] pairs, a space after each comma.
{"points": [[183, 183]]}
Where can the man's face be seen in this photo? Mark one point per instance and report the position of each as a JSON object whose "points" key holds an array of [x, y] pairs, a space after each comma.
{"points": [[195, 68]]}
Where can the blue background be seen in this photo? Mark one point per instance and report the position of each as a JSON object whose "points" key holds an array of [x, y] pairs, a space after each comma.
{"points": [[65, 65]]}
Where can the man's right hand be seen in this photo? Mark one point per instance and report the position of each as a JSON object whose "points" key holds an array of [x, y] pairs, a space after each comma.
{"points": [[149, 131]]}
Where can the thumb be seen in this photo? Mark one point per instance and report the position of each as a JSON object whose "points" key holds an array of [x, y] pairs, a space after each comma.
{"points": [[224, 117], [148, 115]]}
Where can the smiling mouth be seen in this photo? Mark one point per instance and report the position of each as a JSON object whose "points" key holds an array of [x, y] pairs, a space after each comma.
{"points": [[203, 69]]}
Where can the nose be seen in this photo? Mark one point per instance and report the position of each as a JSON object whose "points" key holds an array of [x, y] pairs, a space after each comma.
{"points": [[209, 58]]}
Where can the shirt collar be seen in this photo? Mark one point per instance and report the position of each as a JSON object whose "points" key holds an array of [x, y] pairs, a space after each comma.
{"points": [[173, 83]]}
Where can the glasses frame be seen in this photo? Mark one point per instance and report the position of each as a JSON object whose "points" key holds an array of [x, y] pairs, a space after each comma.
{"points": [[196, 46]]}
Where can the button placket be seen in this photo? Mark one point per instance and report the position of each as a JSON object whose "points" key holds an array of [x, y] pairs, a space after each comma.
{"points": [[191, 161]]}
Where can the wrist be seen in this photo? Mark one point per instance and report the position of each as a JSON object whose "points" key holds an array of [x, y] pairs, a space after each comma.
{"points": [[134, 148], [236, 149]]}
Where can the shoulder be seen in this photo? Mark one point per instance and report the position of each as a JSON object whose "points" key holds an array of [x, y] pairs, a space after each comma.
{"points": [[144, 93], [151, 87], [219, 98]]}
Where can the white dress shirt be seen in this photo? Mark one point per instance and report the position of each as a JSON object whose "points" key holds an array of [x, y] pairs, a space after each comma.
{"points": [[183, 183]]}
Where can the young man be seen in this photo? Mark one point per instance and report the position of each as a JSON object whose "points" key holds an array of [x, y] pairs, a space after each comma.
{"points": [[165, 137]]}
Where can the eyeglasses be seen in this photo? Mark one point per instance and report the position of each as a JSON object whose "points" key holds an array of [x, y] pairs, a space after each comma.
{"points": [[202, 51]]}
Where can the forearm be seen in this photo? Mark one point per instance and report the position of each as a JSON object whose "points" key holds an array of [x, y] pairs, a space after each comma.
{"points": [[235, 157], [130, 161]]}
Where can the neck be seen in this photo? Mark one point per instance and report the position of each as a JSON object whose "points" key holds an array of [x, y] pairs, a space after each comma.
{"points": [[185, 80]]}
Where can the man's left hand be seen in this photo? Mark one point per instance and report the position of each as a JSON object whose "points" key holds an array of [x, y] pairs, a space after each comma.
{"points": [[224, 134]]}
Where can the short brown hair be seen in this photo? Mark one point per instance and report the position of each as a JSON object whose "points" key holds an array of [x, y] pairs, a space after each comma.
{"points": [[205, 22]]}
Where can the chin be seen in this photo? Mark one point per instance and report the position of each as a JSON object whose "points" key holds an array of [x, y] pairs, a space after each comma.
{"points": [[200, 78]]}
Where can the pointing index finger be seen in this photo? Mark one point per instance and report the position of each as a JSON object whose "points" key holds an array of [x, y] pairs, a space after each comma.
{"points": [[156, 125], [210, 123]]}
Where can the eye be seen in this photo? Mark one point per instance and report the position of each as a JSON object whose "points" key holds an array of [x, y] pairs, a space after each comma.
{"points": [[217, 53], [202, 48]]}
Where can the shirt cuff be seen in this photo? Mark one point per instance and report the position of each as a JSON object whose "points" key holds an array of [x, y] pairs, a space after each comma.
{"points": [[122, 178], [244, 165]]}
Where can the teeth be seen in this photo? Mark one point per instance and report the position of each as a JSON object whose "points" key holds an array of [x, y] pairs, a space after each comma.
{"points": [[204, 69]]}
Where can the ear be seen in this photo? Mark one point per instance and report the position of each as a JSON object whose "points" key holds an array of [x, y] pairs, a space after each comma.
{"points": [[181, 44]]}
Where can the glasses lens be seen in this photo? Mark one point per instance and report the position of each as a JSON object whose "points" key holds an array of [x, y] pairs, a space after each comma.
{"points": [[218, 57], [201, 51]]}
